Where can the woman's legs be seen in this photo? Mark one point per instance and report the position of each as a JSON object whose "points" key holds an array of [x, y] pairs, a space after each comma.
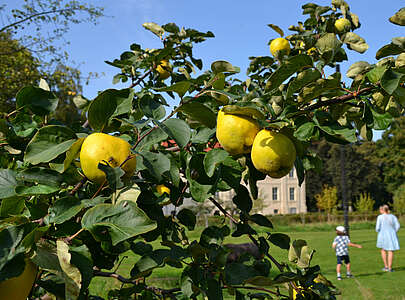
{"points": [[390, 259], [384, 258]]}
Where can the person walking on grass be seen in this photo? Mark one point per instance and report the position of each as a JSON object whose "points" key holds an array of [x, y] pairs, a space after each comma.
{"points": [[387, 227], [341, 245]]}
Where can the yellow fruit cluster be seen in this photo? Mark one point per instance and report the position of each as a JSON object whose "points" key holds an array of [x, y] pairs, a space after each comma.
{"points": [[272, 153]]}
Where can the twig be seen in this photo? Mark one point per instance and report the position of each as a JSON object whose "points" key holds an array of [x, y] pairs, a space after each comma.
{"points": [[67, 240], [251, 288], [99, 189], [141, 78], [340, 99], [78, 186], [278, 265]]}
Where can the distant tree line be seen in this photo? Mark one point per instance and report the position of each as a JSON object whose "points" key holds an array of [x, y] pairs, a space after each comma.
{"points": [[376, 168]]}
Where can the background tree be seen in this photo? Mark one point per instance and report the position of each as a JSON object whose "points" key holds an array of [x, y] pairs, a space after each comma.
{"points": [[399, 200], [327, 199], [364, 204]]}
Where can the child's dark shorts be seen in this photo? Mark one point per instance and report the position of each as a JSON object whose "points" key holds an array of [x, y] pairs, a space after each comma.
{"points": [[344, 258]]}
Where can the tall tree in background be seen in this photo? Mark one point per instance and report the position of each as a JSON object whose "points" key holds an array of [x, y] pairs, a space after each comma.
{"points": [[391, 151], [26, 57]]}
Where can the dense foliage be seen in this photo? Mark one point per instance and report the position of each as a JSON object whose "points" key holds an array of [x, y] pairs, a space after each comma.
{"points": [[75, 230]]}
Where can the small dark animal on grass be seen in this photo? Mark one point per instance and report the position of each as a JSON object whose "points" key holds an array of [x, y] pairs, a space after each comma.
{"points": [[239, 249]]}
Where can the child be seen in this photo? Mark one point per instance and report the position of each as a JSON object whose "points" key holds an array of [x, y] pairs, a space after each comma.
{"points": [[340, 244]]}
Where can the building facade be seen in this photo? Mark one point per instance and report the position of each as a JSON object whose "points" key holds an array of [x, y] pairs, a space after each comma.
{"points": [[277, 196]]}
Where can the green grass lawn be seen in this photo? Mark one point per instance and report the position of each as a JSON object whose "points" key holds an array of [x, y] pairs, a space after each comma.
{"points": [[369, 281]]}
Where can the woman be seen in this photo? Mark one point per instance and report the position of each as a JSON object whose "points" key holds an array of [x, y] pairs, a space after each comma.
{"points": [[387, 227]]}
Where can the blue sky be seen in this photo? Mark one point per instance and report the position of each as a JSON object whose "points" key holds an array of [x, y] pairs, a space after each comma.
{"points": [[240, 28]]}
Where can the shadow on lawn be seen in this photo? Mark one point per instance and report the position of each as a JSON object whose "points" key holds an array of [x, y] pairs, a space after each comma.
{"points": [[380, 272]]}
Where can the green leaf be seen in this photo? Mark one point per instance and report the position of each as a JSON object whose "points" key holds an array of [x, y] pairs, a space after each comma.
{"points": [[280, 240], [123, 220], [357, 68], [276, 29], [39, 101], [213, 235], [376, 74], [303, 78], [261, 220], [200, 192], [288, 68], [199, 112], [187, 218], [80, 102], [8, 183], [151, 139], [113, 175], [390, 81], [72, 153], [155, 28], [305, 131], [328, 43], [71, 274], [39, 189], [64, 209], [212, 159], [178, 130], [180, 87], [156, 163], [11, 206], [238, 273], [381, 121], [242, 199], [214, 291], [388, 50], [399, 17], [108, 104], [152, 108], [127, 193], [221, 66], [48, 143], [40, 175], [249, 111], [12, 253], [355, 42], [300, 253]]}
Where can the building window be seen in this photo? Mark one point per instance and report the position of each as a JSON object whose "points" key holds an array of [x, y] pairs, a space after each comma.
{"points": [[291, 174], [275, 211], [275, 193], [292, 190], [293, 210]]}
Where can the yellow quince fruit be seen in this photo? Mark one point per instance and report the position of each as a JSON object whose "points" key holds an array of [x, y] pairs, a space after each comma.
{"points": [[105, 148], [161, 189], [273, 153], [18, 288], [342, 25], [236, 132], [279, 46], [164, 69]]}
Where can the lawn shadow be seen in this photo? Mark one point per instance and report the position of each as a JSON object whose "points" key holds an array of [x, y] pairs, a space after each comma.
{"points": [[380, 272]]}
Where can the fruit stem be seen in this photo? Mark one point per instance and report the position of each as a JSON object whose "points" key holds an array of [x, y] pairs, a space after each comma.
{"points": [[78, 186], [69, 239]]}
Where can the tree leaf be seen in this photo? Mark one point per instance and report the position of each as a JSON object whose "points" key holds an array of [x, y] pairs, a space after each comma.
{"points": [[64, 209], [48, 143], [155, 28], [180, 87], [399, 17], [122, 221], [187, 218], [261, 220], [280, 240], [303, 78], [221, 66], [289, 67], [212, 159], [249, 111], [8, 183], [39, 101], [276, 29], [39, 189], [357, 68], [305, 131], [242, 199], [71, 274], [376, 74], [200, 113], [178, 130], [388, 50], [108, 104], [328, 43], [72, 153], [156, 163], [152, 108], [113, 175], [355, 42], [390, 81], [40, 175], [238, 273]]}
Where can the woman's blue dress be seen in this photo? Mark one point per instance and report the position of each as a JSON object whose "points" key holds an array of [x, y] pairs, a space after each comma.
{"points": [[387, 227]]}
